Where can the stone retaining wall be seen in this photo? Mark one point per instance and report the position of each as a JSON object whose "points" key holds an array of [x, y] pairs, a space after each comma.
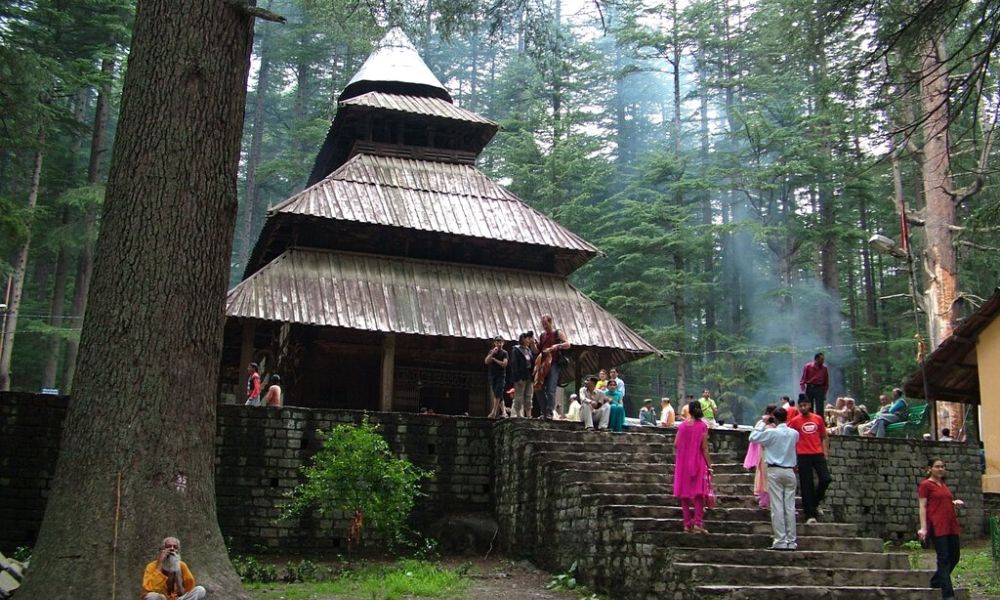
{"points": [[874, 485], [481, 467], [258, 455]]}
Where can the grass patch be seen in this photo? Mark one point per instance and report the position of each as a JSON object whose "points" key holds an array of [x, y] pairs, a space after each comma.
{"points": [[381, 582], [975, 572]]}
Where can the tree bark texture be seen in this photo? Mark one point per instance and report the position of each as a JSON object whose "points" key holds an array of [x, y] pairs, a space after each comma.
{"points": [[136, 462], [940, 263], [939, 255], [85, 260], [20, 268]]}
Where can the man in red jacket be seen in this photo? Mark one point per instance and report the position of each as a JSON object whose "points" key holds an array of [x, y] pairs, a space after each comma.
{"points": [[811, 452]]}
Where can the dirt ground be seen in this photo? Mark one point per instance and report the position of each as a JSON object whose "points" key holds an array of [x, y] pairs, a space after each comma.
{"points": [[502, 579]]}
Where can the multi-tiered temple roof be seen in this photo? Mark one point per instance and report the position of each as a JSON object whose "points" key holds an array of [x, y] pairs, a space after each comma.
{"points": [[402, 250]]}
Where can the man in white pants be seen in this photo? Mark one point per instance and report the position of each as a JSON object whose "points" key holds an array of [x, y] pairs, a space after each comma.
{"points": [[593, 407], [778, 442]]}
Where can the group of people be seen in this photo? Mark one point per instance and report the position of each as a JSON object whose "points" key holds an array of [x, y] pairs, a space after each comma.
{"points": [[531, 366], [788, 449], [273, 396]]}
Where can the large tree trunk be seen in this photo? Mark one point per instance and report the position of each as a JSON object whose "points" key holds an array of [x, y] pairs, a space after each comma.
{"points": [[136, 460], [85, 260], [20, 268], [939, 256]]}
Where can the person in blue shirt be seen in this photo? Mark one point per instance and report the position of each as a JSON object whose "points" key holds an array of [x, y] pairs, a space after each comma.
{"points": [[615, 395], [897, 412]]}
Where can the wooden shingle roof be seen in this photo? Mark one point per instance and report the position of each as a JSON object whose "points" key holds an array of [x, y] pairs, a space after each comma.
{"points": [[393, 295]]}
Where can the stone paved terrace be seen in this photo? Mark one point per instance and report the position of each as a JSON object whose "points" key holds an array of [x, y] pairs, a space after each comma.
{"points": [[602, 500]]}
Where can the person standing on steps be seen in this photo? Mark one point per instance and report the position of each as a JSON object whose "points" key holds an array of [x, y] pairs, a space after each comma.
{"points": [[273, 398], [778, 442], [522, 357], [253, 385], [939, 525], [496, 360], [811, 449], [708, 408], [692, 469], [815, 382], [551, 344]]}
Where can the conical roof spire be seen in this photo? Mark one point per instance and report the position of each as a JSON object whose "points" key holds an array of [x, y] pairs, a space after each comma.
{"points": [[395, 67]]}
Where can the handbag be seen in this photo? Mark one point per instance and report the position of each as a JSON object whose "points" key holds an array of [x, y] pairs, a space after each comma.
{"points": [[562, 361], [710, 500]]}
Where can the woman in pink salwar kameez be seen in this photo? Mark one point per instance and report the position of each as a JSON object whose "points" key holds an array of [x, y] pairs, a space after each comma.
{"points": [[691, 469]]}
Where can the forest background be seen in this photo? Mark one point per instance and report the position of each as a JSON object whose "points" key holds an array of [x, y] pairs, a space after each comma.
{"points": [[731, 159]]}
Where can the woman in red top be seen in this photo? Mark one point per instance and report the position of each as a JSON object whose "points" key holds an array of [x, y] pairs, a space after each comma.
{"points": [[939, 525]]}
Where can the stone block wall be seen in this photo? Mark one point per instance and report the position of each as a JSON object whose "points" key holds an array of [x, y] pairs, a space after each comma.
{"points": [[259, 452], [258, 455], [30, 430], [875, 483]]}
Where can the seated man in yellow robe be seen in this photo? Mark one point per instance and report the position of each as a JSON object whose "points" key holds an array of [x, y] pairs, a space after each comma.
{"points": [[168, 577]]}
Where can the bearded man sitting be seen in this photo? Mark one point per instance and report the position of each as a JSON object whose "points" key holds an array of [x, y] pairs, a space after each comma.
{"points": [[168, 577]]}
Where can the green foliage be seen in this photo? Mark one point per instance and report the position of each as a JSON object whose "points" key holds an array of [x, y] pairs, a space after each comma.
{"points": [[22, 553], [304, 571], [355, 472], [252, 570], [405, 579], [995, 543], [914, 550], [564, 581]]}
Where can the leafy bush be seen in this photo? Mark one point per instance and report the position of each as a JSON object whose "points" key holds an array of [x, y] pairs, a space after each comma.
{"points": [[355, 472], [251, 570], [564, 581], [305, 571]]}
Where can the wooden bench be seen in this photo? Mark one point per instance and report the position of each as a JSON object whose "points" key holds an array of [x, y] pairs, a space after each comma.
{"points": [[917, 421]]}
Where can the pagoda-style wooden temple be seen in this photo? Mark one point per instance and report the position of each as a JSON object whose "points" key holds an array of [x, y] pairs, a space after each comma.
{"points": [[381, 284]]}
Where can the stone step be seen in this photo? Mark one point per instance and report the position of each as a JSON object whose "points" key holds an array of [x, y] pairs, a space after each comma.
{"points": [[612, 477], [719, 514], [597, 494], [811, 559], [733, 574], [745, 527], [756, 541], [662, 494], [763, 592]]}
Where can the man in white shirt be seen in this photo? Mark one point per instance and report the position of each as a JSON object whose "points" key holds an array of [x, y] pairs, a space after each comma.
{"points": [[593, 406], [573, 413], [779, 443]]}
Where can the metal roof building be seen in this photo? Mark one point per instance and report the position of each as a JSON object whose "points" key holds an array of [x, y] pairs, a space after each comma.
{"points": [[380, 285]]}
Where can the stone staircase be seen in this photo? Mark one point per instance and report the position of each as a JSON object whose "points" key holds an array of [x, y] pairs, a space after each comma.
{"points": [[603, 501]]}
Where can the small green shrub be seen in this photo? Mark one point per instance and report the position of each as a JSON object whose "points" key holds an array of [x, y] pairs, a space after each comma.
{"points": [[356, 473], [914, 550], [252, 570], [564, 581], [305, 571]]}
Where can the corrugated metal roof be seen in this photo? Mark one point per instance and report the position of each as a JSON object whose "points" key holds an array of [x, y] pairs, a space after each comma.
{"points": [[392, 295], [434, 107], [430, 196]]}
